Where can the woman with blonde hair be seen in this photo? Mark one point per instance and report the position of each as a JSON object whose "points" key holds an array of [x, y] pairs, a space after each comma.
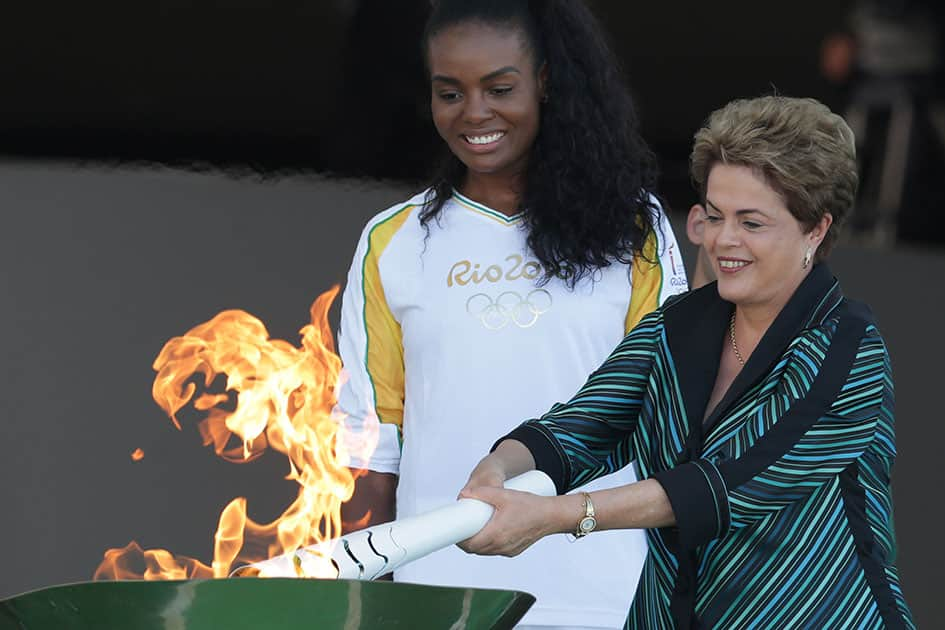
{"points": [[758, 409]]}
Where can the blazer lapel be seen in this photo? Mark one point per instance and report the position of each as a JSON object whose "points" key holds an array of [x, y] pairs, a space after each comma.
{"points": [[817, 288], [695, 331]]}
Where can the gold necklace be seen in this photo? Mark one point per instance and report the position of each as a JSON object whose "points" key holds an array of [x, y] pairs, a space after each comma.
{"points": [[731, 335]]}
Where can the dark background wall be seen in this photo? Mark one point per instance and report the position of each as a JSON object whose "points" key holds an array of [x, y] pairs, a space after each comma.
{"points": [[338, 84], [165, 161]]}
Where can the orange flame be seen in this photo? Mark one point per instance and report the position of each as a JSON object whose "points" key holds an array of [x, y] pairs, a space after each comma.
{"points": [[285, 399], [137, 455]]}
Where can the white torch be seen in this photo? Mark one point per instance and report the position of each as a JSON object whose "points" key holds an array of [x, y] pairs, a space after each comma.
{"points": [[369, 553]]}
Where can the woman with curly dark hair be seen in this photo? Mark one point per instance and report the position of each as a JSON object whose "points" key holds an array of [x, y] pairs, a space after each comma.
{"points": [[498, 290]]}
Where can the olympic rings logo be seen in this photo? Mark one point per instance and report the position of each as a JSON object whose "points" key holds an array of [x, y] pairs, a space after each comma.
{"points": [[509, 307]]}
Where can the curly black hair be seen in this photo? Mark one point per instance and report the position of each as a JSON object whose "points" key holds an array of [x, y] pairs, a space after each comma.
{"points": [[588, 200]]}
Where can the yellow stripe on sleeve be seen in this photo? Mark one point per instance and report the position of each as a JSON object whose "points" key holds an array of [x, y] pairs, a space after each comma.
{"points": [[647, 282], [384, 356]]}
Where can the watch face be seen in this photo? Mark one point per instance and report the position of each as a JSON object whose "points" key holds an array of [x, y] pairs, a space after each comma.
{"points": [[588, 523]]}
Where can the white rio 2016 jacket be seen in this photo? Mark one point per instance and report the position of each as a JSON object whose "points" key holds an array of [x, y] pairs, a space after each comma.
{"points": [[449, 342]]}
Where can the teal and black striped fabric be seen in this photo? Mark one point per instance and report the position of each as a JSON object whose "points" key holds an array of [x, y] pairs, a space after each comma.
{"points": [[781, 496]]}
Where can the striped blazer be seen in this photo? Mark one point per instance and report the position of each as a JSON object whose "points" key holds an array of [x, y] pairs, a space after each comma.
{"points": [[781, 496]]}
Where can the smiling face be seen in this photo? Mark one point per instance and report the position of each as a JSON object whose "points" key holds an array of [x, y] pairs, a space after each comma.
{"points": [[756, 245], [485, 97]]}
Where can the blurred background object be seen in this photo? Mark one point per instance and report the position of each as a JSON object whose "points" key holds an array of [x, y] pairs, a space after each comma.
{"points": [[888, 59], [339, 87], [164, 160]]}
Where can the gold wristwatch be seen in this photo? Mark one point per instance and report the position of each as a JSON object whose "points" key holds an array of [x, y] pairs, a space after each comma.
{"points": [[588, 522]]}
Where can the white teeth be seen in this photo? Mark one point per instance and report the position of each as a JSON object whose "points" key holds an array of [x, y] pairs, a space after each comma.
{"points": [[492, 137], [732, 264]]}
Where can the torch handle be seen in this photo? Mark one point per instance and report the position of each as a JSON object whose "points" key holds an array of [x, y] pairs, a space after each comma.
{"points": [[372, 552], [369, 553]]}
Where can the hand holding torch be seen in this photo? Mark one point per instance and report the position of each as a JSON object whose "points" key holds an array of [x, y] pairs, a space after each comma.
{"points": [[372, 552]]}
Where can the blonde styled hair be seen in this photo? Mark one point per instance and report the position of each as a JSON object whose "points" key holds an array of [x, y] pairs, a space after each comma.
{"points": [[805, 152]]}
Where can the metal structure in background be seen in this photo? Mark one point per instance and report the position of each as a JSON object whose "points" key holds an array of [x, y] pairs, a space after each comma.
{"points": [[248, 603], [897, 112]]}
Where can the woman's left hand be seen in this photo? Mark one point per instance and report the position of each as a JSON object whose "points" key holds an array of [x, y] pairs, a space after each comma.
{"points": [[520, 519]]}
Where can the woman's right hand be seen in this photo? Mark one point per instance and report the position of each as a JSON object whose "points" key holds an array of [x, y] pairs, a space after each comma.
{"points": [[519, 518], [488, 472], [513, 526], [510, 458], [518, 521]]}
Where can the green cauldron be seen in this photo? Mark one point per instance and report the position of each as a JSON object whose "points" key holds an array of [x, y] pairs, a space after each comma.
{"points": [[251, 603]]}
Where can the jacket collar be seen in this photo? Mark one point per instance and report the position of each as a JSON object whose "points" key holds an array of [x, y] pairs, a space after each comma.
{"points": [[697, 326]]}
